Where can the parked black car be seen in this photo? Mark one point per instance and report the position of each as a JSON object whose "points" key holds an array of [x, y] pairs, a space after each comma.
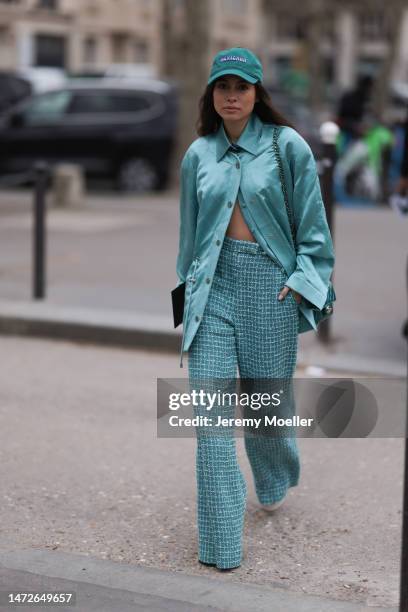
{"points": [[13, 89], [121, 130]]}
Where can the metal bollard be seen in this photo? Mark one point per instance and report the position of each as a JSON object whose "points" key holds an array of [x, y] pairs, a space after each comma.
{"points": [[328, 132], [41, 175], [67, 186]]}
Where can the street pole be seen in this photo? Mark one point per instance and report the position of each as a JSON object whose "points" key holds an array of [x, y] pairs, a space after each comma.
{"points": [[404, 549], [328, 133], [41, 173]]}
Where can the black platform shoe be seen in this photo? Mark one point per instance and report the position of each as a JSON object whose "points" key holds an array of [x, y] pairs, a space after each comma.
{"points": [[221, 569], [204, 563]]}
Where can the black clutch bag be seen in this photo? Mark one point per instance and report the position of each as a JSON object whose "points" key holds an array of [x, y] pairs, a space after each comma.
{"points": [[177, 298]]}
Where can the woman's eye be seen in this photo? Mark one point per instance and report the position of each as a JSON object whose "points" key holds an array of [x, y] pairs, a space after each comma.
{"points": [[241, 87]]}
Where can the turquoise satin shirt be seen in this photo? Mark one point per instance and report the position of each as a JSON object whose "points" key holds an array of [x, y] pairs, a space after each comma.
{"points": [[213, 175]]}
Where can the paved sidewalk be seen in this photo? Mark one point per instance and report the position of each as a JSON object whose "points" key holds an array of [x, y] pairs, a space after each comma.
{"points": [[84, 473]]}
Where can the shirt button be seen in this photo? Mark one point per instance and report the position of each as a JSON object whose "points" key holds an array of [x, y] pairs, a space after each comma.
{"points": [[229, 204], [197, 318], [218, 242], [208, 280], [243, 205], [237, 165]]}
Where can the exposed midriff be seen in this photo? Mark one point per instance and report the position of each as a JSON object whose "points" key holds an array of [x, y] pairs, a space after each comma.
{"points": [[237, 227]]}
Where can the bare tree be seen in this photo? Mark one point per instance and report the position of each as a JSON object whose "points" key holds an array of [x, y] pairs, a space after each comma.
{"points": [[187, 61], [314, 21], [166, 39]]}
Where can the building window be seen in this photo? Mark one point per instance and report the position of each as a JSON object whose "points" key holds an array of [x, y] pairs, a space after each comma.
{"points": [[328, 67], [289, 27], [373, 26], [328, 22], [49, 50], [90, 49], [140, 52], [119, 48]]}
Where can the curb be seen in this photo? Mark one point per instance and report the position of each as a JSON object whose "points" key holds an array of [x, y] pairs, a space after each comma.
{"points": [[105, 327], [141, 330], [103, 585]]}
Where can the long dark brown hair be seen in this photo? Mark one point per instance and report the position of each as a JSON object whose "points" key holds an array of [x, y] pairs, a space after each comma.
{"points": [[209, 120]]}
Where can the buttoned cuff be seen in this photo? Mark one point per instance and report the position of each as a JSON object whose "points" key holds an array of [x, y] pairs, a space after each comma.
{"points": [[297, 282]]}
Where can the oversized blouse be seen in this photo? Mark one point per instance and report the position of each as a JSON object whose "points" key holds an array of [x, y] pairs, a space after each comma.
{"points": [[213, 175]]}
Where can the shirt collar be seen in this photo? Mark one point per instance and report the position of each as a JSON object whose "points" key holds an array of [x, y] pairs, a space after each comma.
{"points": [[248, 140]]}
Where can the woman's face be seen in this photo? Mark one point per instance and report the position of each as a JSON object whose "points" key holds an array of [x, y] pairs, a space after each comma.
{"points": [[233, 98]]}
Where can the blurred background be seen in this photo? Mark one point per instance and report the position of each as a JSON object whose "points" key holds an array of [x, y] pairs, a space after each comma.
{"points": [[126, 76], [98, 103]]}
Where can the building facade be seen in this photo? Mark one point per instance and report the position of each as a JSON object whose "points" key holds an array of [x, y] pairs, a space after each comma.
{"points": [[88, 34], [78, 34]]}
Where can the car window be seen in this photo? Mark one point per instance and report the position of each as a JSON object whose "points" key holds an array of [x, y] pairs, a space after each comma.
{"points": [[46, 108], [107, 102]]}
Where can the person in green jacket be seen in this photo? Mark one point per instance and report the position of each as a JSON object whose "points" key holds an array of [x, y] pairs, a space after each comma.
{"points": [[254, 277]]}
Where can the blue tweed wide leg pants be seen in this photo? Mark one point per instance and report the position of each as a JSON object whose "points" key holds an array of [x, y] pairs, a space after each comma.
{"points": [[243, 326]]}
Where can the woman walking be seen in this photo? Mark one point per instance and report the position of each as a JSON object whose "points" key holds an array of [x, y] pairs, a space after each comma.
{"points": [[252, 282]]}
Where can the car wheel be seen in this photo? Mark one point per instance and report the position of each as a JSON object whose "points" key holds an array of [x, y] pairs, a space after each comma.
{"points": [[138, 175]]}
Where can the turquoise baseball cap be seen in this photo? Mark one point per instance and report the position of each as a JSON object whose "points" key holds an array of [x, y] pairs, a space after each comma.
{"points": [[237, 60]]}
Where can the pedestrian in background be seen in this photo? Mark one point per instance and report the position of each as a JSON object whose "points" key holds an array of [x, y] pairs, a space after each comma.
{"points": [[402, 185], [250, 286], [402, 189], [352, 108]]}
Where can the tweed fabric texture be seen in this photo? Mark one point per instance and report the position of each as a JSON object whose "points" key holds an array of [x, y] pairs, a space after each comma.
{"points": [[244, 327]]}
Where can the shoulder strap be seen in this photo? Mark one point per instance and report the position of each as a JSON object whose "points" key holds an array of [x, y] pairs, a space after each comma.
{"points": [[276, 131]]}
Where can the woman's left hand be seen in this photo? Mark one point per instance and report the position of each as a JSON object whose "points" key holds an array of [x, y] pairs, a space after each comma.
{"points": [[285, 291]]}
